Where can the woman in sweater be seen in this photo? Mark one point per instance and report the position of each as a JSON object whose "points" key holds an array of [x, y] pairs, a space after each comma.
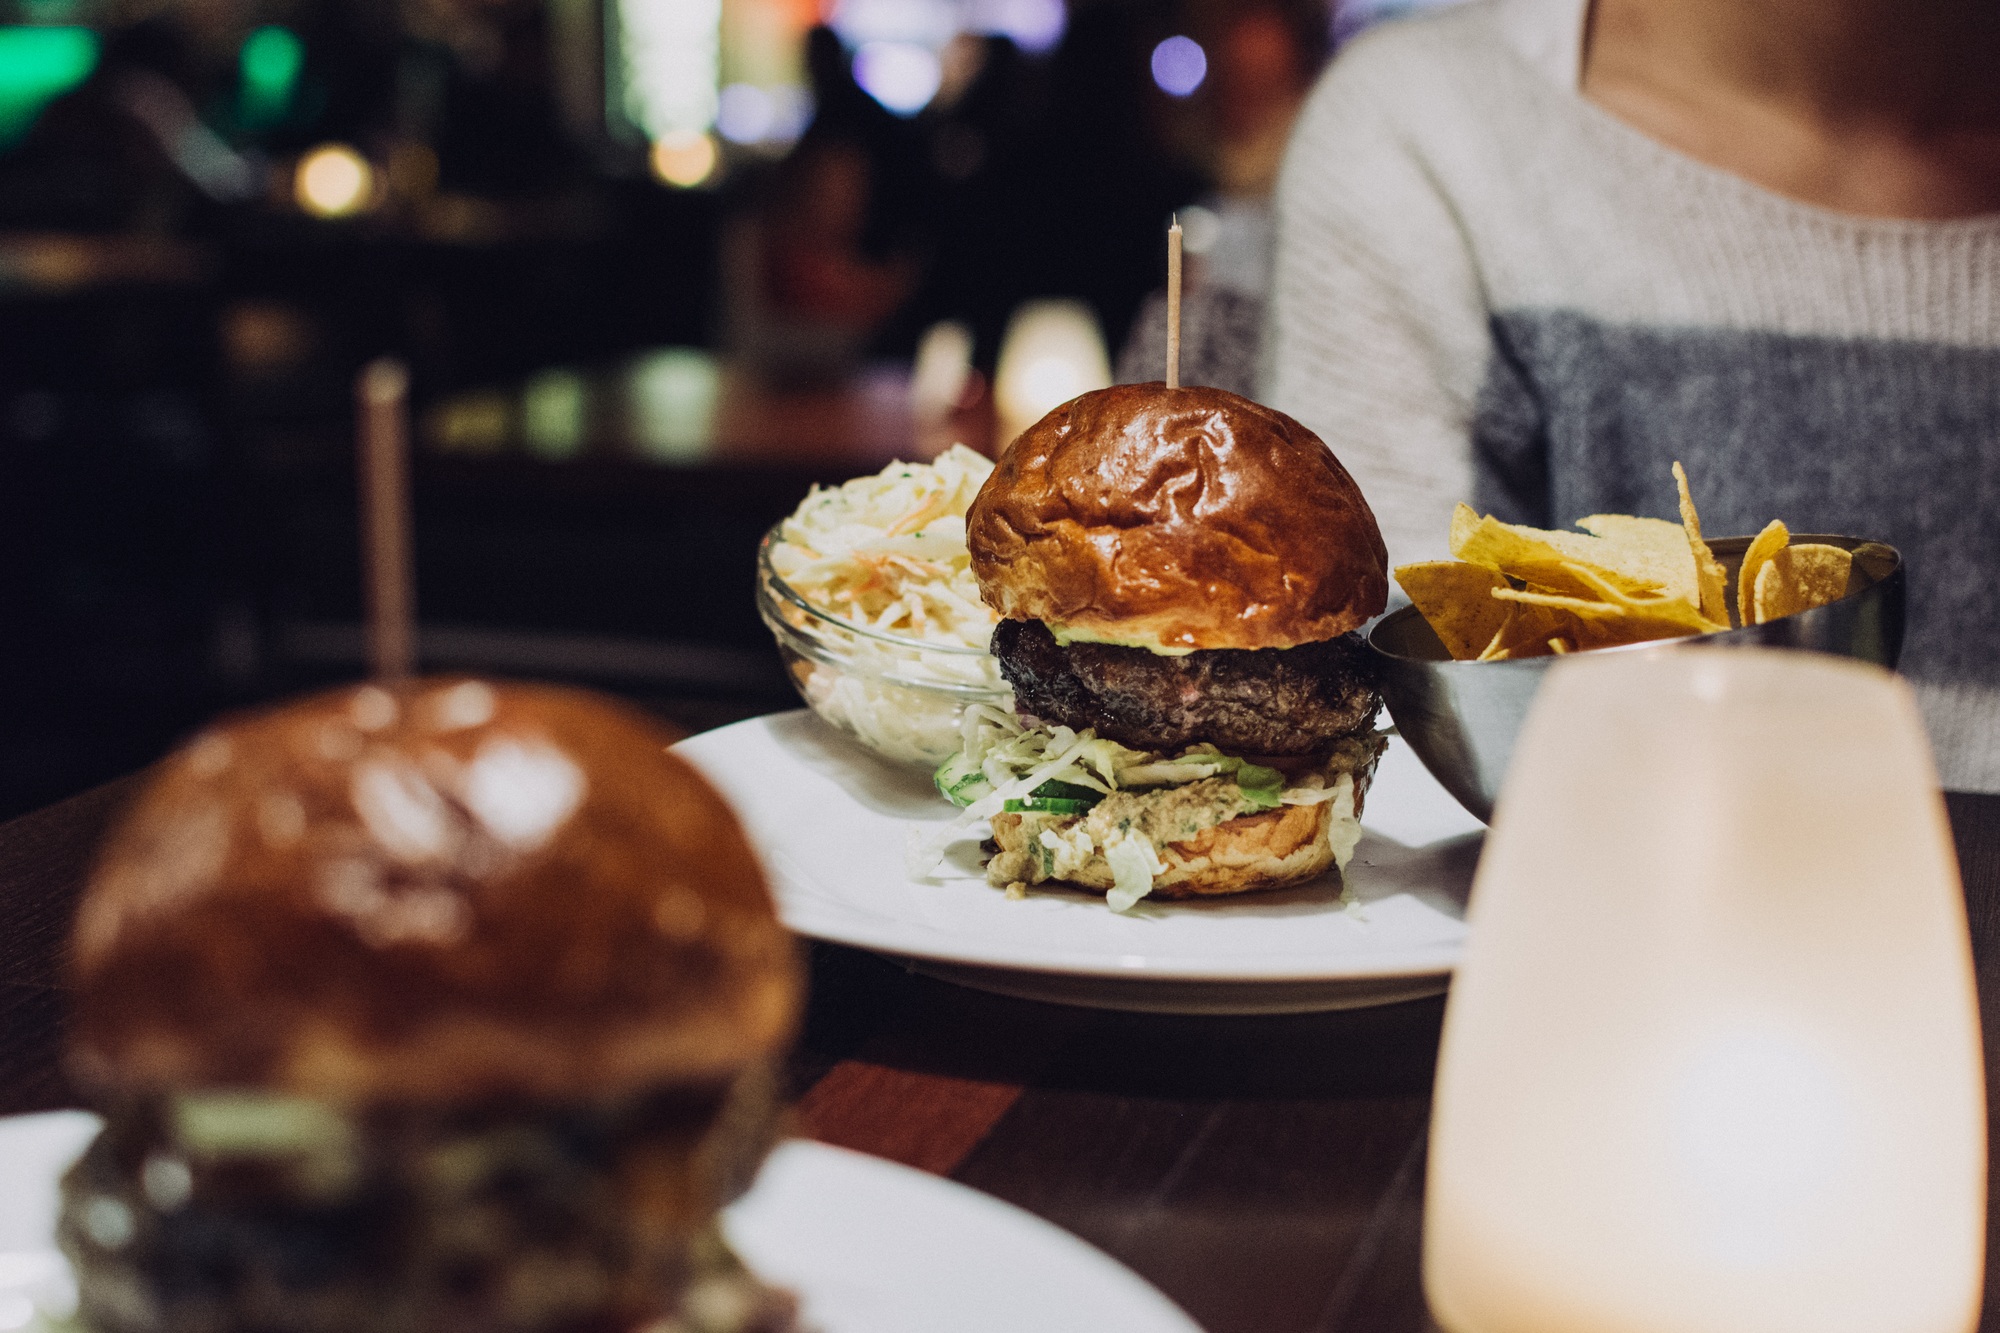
{"points": [[1530, 252]]}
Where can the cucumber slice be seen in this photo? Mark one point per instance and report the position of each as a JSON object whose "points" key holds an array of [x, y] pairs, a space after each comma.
{"points": [[967, 790], [1047, 805], [961, 781], [1068, 791]]}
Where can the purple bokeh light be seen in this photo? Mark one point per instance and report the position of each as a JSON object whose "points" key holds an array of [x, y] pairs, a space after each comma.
{"points": [[1179, 66]]}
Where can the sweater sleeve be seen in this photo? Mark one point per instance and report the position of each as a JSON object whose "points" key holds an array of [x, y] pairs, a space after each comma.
{"points": [[1377, 336]]}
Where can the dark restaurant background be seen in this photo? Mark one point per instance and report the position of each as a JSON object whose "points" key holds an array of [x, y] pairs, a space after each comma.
{"points": [[656, 266]]}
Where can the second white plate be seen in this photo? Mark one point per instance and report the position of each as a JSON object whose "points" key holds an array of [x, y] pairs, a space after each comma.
{"points": [[832, 822], [869, 1246]]}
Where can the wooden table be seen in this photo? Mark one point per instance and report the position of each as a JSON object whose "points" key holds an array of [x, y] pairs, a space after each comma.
{"points": [[1266, 1173]]}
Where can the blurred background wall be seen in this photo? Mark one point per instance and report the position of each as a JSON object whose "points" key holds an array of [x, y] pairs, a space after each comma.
{"points": [[657, 266]]}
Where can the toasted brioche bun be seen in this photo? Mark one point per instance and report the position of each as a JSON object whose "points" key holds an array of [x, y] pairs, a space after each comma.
{"points": [[1177, 519], [435, 892], [1270, 850]]}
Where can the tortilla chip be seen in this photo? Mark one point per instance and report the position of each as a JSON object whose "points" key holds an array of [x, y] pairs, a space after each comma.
{"points": [[1712, 579], [1651, 550], [1457, 601], [1593, 624], [1800, 578], [1766, 544], [1464, 518], [1538, 556], [1651, 605], [1526, 631]]}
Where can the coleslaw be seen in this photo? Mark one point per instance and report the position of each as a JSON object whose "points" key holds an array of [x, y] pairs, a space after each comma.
{"points": [[902, 643], [887, 552]]}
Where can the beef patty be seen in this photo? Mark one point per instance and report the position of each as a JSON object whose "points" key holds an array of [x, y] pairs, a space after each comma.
{"points": [[1266, 701]]}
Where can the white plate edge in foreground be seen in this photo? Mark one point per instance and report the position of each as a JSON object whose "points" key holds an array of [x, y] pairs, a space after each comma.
{"points": [[854, 1235]]}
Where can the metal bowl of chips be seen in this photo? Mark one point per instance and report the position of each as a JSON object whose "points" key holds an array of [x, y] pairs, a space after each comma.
{"points": [[1461, 717]]}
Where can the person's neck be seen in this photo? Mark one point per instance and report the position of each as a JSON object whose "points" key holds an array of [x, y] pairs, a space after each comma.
{"points": [[1868, 106]]}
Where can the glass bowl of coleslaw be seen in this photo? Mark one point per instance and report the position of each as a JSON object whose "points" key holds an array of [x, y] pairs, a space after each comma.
{"points": [[868, 590]]}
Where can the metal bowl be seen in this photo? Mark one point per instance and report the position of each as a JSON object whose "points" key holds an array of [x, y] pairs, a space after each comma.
{"points": [[1461, 718]]}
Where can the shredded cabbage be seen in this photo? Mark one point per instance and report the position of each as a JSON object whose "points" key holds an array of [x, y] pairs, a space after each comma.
{"points": [[887, 552], [1133, 864], [996, 748], [1343, 832], [1002, 758]]}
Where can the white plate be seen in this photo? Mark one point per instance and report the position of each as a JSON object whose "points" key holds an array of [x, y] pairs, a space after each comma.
{"points": [[870, 1246], [832, 822]]}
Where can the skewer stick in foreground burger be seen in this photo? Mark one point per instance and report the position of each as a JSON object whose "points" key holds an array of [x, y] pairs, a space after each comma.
{"points": [[1180, 574], [426, 1007]]}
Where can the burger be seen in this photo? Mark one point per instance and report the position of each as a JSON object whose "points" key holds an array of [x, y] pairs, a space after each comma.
{"points": [[1179, 575], [444, 1006]]}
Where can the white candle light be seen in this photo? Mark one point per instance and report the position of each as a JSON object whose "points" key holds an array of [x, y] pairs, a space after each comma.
{"points": [[1712, 1059], [1052, 353]]}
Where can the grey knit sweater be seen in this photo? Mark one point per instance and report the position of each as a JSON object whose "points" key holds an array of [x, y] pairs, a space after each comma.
{"points": [[1488, 288]]}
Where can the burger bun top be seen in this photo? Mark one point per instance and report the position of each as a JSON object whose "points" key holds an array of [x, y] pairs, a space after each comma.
{"points": [[1176, 520], [435, 892]]}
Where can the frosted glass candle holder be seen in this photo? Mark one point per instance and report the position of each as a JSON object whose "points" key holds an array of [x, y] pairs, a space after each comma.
{"points": [[1711, 1061]]}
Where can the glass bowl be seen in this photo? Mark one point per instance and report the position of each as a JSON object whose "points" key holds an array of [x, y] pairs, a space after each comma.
{"points": [[900, 697]]}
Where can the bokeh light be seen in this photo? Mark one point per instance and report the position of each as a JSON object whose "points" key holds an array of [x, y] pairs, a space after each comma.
{"points": [[926, 23], [684, 159], [555, 410], [333, 181], [669, 56], [38, 64], [791, 112], [1179, 66], [268, 68], [744, 113], [1034, 25], [1201, 228], [902, 76], [671, 409], [1052, 352], [942, 370]]}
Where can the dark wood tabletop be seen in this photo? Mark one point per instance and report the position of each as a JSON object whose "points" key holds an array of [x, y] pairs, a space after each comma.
{"points": [[1266, 1173]]}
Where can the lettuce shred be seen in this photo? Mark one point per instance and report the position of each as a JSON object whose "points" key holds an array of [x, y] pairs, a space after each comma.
{"points": [[1002, 758]]}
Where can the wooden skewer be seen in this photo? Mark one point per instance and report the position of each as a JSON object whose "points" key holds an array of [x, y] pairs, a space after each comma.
{"points": [[1174, 304], [382, 404]]}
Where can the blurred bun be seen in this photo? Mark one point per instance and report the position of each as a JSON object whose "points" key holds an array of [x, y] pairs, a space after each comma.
{"points": [[435, 892], [1288, 845], [1177, 518]]}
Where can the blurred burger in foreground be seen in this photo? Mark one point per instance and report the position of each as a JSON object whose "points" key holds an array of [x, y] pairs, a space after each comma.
{"points": [[1179, 573], [446, 1006]]}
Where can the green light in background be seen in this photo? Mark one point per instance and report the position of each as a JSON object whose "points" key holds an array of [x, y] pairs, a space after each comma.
{"points": [[269, 69], [554, 413], [674, 393], [38, 65]]}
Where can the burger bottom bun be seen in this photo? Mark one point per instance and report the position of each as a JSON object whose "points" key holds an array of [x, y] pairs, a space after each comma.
{"points": [[1271, 850]]}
